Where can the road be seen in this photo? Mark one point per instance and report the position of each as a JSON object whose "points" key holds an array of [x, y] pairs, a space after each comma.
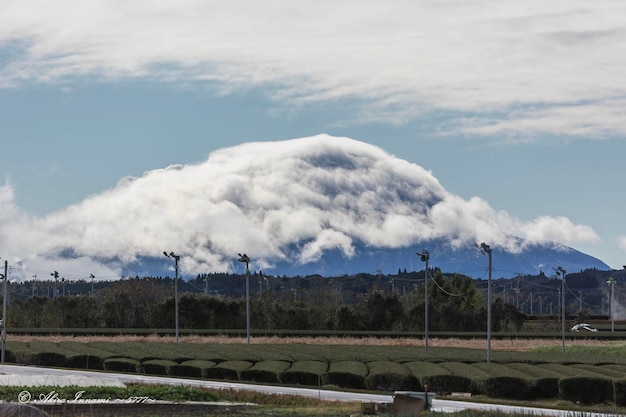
{"points": [[39, 376]]}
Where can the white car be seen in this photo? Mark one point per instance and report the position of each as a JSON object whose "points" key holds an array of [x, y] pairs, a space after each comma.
{"points": [[584, 326]]}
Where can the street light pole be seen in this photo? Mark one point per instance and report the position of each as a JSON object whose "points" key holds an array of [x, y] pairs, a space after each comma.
{"points": [[485, 249], [245, 259], [611, 282], [176, 259], [55, 293], [4, 308], [424, 257], [561, 271]]}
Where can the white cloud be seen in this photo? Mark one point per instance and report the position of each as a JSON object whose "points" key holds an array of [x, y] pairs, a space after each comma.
{"points": [[316, 194], [621, 242], [502, 66], [558, 229]]}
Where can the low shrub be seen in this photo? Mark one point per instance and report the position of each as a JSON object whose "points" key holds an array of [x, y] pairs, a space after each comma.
{"points": [[586, 390], [541, 382], [157, 366], [547, 387], [390, 376], [619, 392], [122, 365], [85, 356], [508, 387], [347, 374], [447, 384], [47, 359], [265, 371], [192, 369], [84, 361], [229, 370], [305, 372]]}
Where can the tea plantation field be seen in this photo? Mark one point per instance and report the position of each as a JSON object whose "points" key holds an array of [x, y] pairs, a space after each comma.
{"points": [[585, 377]]}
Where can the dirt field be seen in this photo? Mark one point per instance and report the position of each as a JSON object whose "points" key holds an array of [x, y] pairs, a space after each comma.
{"points": [[511, 344]]}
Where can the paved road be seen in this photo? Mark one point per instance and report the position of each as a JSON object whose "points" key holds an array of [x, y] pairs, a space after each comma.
{"points": [[38, 376]]}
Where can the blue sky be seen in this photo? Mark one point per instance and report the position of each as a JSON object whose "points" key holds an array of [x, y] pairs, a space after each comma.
{"points": [[520, 104]]}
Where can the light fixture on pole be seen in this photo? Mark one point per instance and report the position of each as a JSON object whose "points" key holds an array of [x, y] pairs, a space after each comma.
{"points": [[245, 259], [611, 281], [424, 256], [562, 272], [485, 249], [55, 274], [3, 327], [176, 259], [92, 276]]}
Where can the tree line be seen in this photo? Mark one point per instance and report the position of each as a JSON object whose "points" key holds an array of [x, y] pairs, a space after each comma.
{"points": [[455, 304]]}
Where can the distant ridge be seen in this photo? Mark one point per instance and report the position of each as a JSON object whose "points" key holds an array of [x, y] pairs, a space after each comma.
{"points": [[467, 260]]}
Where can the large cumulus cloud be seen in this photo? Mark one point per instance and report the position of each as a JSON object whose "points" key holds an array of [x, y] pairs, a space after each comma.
{"points": [[315, 193]]}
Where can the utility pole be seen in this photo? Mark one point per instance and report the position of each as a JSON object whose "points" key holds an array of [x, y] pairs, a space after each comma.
{"points": [[5, 295], [611, 281], [424, 257], [245, 259], [561, 271], [485, 249], [55, 274], [176, 259]]}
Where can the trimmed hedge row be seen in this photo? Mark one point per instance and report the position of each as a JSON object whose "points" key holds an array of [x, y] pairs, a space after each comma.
{"points": [[359, 367]]}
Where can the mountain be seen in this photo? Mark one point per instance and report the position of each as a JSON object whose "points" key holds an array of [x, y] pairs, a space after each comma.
{"points": [[466, 260], [317, 205]]}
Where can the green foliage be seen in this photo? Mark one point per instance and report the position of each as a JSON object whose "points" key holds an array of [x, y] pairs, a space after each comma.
{"points": [[156, 392], [305, 372], [619, 392], [542, 382], [438, 378], [122, 365], [390, 376], [157, 366], [586, 390], [192, 369], [347, 374], [509, 387], [293, 304], [447, 384], [265, 371], [230, 370], [445, 370]]}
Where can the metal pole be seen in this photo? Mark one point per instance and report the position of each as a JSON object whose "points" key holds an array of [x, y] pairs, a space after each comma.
{"points": [[176, 258], [247, 303], [425, 256], [611, 282], [612, 307], [563, 313], [4, 309], [244, 258], [426, 305], [489, 310]]}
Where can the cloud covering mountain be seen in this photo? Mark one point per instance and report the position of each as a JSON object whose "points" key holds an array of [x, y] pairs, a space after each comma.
{"points": [[315, 194]]}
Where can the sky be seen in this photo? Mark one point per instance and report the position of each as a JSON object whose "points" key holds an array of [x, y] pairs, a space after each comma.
{"points": [[518, 105]]}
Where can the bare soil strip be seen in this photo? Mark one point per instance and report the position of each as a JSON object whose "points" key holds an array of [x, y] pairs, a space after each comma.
{"points": [[496, 344]]}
